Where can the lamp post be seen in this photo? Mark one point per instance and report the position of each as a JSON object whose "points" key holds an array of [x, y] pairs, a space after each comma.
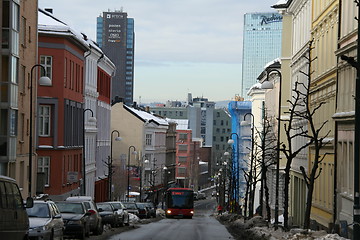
{"points": [[128, 171], [248, 185], [269, 85], [141, 170], [44, 80], [235, 168], [118, 138], [226, 154], [91, 119]]}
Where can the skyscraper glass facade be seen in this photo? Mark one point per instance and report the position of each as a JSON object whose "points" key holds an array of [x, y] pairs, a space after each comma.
{"points": [[116, 37], [261, 44]]}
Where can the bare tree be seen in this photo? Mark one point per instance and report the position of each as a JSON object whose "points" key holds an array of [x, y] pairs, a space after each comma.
{"points": [[300, 109]]}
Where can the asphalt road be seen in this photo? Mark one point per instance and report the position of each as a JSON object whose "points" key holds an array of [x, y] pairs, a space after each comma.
{"points": [[201, 227]]}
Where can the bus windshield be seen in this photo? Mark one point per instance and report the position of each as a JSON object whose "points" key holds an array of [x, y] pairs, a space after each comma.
{"points": [[183, 199]]}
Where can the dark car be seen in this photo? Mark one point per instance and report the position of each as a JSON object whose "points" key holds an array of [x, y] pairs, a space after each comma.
{"points": [[76, 219], [143, 210], [123, 214], [108, 214], [131, 208], [96, 225], [45, 221], [151, 208]]}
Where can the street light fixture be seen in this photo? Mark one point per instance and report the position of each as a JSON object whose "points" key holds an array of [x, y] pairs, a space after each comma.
{"points": [[128, 171], [44, 80], [146, 161], [110, 167], [251, 208], [93, 120], [235, 170], [268, 85]]}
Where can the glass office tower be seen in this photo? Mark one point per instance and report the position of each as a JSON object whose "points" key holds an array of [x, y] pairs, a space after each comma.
{"points": [[116, 37], [261, 44]]}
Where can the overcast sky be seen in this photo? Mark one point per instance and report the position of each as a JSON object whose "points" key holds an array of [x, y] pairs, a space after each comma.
{"points": [[181, 46]]}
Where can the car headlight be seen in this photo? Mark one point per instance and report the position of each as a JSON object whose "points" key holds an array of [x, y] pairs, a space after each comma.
{"points": [[168, 211], [75, 222]]}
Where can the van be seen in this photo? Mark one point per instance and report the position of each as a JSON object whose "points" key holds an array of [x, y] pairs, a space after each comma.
{"points": [[14, 221]]}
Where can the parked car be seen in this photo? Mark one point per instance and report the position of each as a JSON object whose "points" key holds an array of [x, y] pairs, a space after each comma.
{"points": [[14, 221], [131, 207], [143, 211], [151, 208], [76, 219], [45, 221], [122, 213], [108, 214], [96, 225]]}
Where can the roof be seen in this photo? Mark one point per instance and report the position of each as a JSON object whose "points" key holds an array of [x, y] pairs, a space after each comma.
{"points": [[181, 124], [49, 24], [147, 116]]}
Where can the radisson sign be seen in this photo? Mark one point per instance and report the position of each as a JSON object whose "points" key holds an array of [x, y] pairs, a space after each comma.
{"points": [[273, 18]]}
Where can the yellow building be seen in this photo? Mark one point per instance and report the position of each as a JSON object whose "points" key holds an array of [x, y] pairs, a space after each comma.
{"points": [[323, 89]]}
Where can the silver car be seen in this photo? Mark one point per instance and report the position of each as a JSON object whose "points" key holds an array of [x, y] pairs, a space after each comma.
{"points": [[45, 221], [122, 213]]}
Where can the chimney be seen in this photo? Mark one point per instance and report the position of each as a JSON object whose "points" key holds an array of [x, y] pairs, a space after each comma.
{"points": [[147, 109]]}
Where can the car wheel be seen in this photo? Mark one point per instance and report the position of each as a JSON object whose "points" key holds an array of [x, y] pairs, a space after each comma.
{"points": [[121, 223], [52, 235], [99, 229], [128, 221], [87, 231], [83, 232]]}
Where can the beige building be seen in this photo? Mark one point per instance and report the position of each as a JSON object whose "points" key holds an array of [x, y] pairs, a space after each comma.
{"points": [[345, 114], [143, 147], [324, 32], [19, 56]]}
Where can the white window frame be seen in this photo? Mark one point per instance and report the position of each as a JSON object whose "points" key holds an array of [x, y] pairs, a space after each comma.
{"points": [[44, 167], [48, 66], [44, 131], [148, 139]]}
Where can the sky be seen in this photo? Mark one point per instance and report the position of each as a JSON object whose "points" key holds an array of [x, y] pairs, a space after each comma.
{"points": [[181, 46]]}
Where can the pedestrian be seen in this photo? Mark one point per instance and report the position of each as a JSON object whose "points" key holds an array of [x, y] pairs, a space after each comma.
{"points": [[219, 209]]}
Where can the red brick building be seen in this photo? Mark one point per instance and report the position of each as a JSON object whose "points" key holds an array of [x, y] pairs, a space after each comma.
{"points": [[60, 109]]}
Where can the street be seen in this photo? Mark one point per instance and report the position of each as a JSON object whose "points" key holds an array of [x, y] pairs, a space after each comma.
{"points": [[201, 227]]}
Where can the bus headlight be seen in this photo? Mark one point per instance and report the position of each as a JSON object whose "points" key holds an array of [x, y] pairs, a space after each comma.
{"points": [[192, 212], [168, 211]]}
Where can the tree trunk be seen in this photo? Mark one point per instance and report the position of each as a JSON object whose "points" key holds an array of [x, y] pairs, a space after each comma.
{"points": [[286, 195], [308, 205]]}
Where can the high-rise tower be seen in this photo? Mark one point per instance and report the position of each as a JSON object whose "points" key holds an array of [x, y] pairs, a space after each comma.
{"points": [[116, 37], [261, 44]]}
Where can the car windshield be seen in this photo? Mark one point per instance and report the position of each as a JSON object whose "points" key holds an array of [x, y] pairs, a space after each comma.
{"points": [[76, 208], [130, 205], [104, 207], [39, 210], [117, 205]]}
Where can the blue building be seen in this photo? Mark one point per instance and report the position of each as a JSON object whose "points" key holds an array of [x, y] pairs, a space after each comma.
{"points": [[240, 147], [261, 44], [116, 37]]}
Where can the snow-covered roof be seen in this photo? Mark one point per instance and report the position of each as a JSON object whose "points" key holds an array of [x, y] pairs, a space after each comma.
{"points": [[147, 116], [276, 60], [181, 124], [48, 23]]}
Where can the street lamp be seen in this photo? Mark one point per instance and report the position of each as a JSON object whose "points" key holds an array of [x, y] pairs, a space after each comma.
{"points": [[141, 170], [248, 185], [44, 80], [235, 168], [128, 171], [91, 119], [268, 85], [118, 138]]}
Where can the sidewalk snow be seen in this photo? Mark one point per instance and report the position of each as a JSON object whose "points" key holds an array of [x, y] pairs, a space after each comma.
{"points": [[258, 228]]}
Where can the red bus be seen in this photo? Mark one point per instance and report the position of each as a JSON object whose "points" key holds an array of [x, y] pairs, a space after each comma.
{"points": [[179, 202]]}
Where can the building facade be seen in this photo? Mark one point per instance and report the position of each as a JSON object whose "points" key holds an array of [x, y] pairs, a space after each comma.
{"points": [[60, 108], [116, 36], [261, 44]]}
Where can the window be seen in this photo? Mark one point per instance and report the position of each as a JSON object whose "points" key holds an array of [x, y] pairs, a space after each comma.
{"points": [[181, 170], [44, 166], [44, 120], [183, 136], [183, 147], [46, 61], [182, 159], [148, 139]]}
